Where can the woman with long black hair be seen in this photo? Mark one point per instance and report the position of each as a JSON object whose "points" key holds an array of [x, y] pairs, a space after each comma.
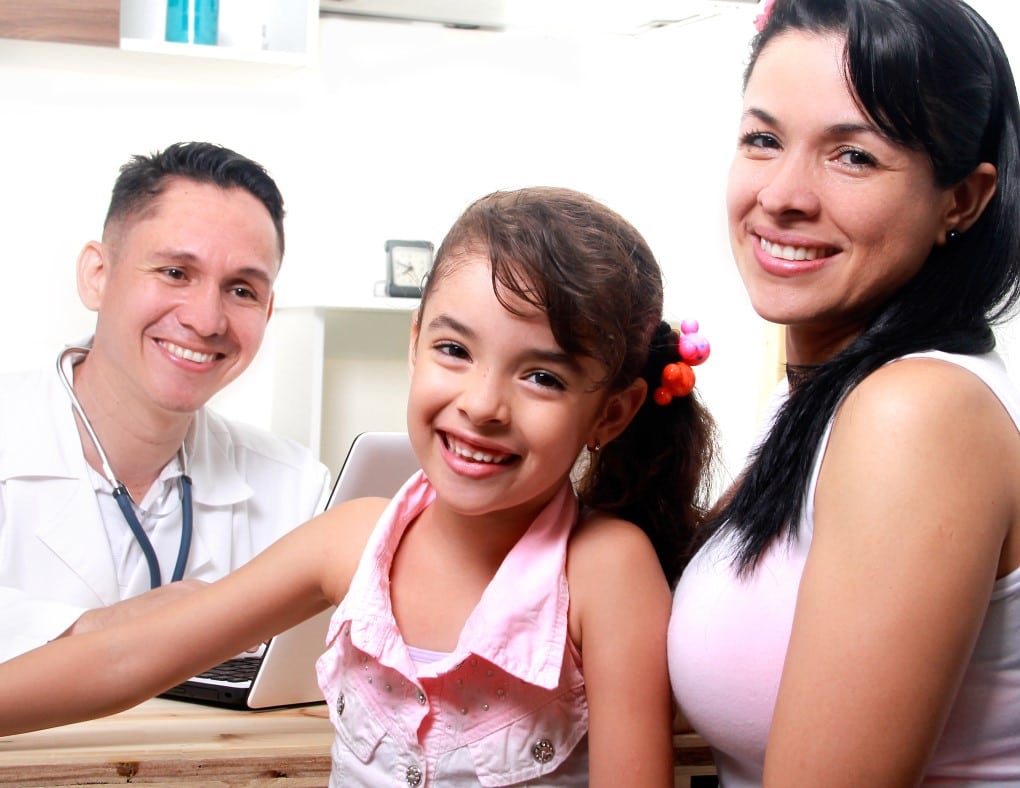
{"points": [[851, 616]]}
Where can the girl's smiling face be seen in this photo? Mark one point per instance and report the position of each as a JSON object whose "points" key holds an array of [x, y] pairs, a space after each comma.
{"points": [[497, 411], [828, 217]]}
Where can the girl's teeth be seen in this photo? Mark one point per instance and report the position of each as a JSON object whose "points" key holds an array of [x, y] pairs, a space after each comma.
{"points": [[476, 456]]}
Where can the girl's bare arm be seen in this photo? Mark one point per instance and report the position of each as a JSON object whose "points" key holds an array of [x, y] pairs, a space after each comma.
{"points": [[620, 606], [107, 670]]}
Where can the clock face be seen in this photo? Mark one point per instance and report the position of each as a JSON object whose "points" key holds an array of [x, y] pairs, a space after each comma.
{"points": [[410, 264], [407, 264]]}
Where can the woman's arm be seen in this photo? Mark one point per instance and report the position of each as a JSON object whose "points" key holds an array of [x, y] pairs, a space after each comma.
{"points": [[914, 502], [619, 613], [97, 673]]}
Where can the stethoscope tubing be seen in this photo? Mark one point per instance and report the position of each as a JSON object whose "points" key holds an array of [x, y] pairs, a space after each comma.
{"points": [[123, 497]]}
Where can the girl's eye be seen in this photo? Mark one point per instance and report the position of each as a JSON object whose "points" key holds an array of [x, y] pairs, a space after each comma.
{"points": [[856, 158], [758, 139], [545, 379]]}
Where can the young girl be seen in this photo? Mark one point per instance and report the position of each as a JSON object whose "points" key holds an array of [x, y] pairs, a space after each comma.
{"points": [[493, 627]]}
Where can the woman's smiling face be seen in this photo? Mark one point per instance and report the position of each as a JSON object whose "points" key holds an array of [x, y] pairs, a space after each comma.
{"points": [[828, 217]]}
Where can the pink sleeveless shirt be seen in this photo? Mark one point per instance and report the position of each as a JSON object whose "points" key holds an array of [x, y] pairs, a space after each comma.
{"points": [[506, 707]]}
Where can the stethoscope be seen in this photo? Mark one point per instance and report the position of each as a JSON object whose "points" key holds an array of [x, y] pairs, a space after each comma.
{"points": [[123, 497]]}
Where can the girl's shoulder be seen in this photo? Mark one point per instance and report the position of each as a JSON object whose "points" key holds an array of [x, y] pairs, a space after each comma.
{"points": [[344, 532], [606, 551], [612, 570], [603, 537]]}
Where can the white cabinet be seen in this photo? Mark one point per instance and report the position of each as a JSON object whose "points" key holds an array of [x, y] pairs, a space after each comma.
{"points": [[271, 31], [339, 371]]}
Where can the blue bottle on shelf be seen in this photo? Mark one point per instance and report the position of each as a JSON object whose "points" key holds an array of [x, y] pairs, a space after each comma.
{"points": [[192, 21]]}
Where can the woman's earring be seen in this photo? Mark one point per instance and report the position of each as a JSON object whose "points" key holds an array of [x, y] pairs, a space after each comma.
{"points": [[952, 236]]}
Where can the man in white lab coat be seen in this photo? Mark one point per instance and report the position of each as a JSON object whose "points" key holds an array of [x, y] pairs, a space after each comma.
{"points": [[114, 476]]}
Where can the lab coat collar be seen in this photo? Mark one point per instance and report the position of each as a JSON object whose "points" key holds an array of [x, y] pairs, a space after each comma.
{"points": [[49, 445], [216, 480], [46, 435], [50, 460]]}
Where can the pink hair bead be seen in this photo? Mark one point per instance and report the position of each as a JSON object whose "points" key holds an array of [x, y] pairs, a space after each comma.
{"points": [[691, 345]]}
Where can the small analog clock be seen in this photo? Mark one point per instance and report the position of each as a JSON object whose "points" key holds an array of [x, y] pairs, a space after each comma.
{"points": [[407, 262]]}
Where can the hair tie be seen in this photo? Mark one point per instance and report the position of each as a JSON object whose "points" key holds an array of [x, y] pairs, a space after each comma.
{"points": [[678, 377], [762, 18]]}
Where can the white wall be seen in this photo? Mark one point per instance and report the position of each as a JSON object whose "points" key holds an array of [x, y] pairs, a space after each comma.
{"points": [[392, 132]]}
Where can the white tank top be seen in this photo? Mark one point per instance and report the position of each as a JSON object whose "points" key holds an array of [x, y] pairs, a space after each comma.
{"points": [[728, 640]]}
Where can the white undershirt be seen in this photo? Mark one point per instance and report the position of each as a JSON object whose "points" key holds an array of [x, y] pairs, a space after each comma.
{"points": [[422, 656], [159, 514]]}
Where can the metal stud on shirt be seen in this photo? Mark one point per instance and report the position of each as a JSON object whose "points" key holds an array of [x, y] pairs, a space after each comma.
{"points": [[543, 751], [413, 776]]}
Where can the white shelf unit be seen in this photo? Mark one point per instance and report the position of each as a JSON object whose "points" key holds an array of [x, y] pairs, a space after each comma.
{"points": [[267, 31], [339, 371]]}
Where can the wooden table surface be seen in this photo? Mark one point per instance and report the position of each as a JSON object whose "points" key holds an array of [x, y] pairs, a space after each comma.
{"points": [[171, 742]]}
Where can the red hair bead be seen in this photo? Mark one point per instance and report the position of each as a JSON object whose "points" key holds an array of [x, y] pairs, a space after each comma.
{"points": [[678, 377]]}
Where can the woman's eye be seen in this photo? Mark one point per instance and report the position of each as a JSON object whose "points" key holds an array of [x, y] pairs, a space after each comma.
{"points": [[451, 349], [855, 157], [759, 139]]}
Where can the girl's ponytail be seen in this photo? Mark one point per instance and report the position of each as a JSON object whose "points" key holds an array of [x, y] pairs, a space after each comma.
{"points": [[656, 473]]}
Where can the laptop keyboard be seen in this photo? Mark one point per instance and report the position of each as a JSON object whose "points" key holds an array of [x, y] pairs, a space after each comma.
{"points": [[237, 670]]}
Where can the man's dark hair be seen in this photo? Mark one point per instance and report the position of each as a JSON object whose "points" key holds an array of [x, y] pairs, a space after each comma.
{"points": [[144, 178]]}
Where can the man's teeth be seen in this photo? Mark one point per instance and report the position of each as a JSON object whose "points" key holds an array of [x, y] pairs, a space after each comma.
{"points": [[791, 252], [189, 355], [474, 455]]}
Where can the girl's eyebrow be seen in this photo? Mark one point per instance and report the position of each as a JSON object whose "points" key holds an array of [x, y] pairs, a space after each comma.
{"points": [[445, 321], [557, 356]]}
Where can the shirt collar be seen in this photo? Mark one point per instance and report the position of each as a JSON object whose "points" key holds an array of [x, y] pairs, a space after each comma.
{"points": [[519, 624], [49, 446]]}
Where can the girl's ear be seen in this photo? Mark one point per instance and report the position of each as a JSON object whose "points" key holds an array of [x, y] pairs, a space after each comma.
{"points": [[93, 268], [969, 198], [619, 409], [412, 344]]}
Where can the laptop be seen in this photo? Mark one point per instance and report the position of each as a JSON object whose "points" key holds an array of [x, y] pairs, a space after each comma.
{"points": [[283, 673]]}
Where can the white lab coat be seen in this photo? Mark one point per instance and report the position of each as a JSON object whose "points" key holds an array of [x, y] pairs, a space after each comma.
{"points": [[249, 488]]}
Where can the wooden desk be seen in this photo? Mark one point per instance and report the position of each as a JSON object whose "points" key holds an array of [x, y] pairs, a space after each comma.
{"points": [[170, 742]]}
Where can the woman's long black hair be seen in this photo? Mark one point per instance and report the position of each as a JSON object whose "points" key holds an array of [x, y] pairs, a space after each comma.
{"points": [[933, 76]]}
